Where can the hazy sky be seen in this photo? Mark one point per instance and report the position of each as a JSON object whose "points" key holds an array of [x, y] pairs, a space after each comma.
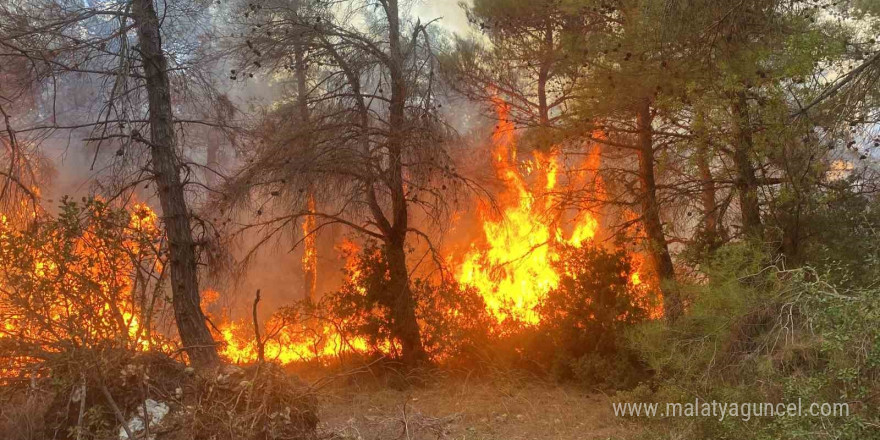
{"points": [[453, 17]]}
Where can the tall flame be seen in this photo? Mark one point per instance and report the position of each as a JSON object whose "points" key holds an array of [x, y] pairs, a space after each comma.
{"points": [[310, 252], [513, 265]]}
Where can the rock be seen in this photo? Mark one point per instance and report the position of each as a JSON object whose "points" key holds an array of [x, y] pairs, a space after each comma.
{"points": [[155, 412]]}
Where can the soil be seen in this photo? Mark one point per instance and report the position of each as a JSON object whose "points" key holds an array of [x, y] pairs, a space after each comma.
{"points": [[455, 407]]}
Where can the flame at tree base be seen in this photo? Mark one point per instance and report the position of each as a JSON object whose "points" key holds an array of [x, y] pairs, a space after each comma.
{"points": [[513, 265]]}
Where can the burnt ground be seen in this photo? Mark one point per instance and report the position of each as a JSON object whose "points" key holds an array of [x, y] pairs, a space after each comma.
{"points": [[468, 408]]}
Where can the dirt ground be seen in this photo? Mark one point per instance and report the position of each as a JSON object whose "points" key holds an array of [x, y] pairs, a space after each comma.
{"points": [[467, 408]]}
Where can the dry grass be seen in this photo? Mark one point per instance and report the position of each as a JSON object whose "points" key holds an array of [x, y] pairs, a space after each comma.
{"points": [[21, 415], [500, 407], [90, 395]]}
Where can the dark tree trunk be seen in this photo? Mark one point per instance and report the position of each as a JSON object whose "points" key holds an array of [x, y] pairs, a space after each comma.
{"points": [[788, 211], [194, 333], [708, 198], [403, 307], [310, 252], [746, 180], [651, 211], [544, 76]]}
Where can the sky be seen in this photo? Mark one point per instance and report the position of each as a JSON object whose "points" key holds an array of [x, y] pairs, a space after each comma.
{"points": [[453, 17]]}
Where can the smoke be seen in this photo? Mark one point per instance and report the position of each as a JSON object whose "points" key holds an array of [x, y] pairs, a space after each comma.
{"points": [[91, 159]]}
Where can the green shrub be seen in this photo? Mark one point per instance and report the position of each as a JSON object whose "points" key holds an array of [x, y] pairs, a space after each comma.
{"points": [[844, 239], [764, 334], [583, 320]]}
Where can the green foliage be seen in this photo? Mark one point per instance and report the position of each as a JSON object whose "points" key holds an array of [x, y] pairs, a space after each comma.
{"points": [[593, 303], [761, 334], [583, 321], [845, 237]]}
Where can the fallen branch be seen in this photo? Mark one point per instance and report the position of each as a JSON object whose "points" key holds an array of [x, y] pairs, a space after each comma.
{"points": [[116, 411]]}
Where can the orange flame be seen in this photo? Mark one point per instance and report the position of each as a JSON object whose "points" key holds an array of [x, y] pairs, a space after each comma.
{"points": [[310, 251], [512, 265], [292, 335], [513, 269], [81, 287]]}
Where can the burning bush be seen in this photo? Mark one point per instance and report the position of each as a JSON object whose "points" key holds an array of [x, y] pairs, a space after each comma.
{"points": [[583, 320], [453, 318], [78, 297], [84, 279]]}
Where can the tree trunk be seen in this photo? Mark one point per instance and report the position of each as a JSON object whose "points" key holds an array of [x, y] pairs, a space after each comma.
{"points": [[746, 180], [197, 340], [544, 76], [403, 307], [708, 197], [657, 246], [310, 241]]}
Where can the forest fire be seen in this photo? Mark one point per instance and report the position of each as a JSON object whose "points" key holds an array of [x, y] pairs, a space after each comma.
{"points": [[294, 219], [295, 333], [75, 281], [513, 266]]}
